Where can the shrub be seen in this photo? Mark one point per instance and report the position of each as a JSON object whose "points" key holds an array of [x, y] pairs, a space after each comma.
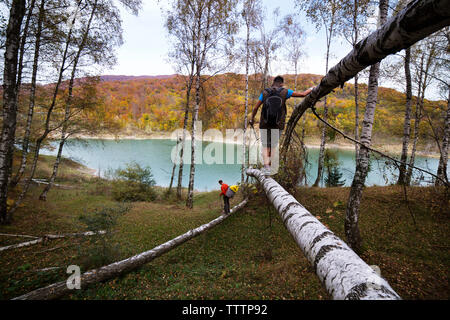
{"points": [[133, 183], [334, 175], [99, 250]]}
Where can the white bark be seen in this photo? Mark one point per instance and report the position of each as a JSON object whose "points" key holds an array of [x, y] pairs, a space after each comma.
{"points": [[17, 235], [9, 111], [442, 168], [59, 289], [51, 237], [407, 122], [416, 21], [344, 274]]}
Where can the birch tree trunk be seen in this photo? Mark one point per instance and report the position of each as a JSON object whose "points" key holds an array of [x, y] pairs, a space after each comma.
{"points": [[342, 272], [407, 123], [412, 158], [47, 129], [442, 168], [51, 181], [363, 159], [7, 137], [190, 196], [23, 41], [203, 32], [355, 39], [418, 114], [26, 137], [115, 269], [65, 125], [356, 116], [245, 162], [174, 165], [325, 115], [186, 119], [416, 21], [427, 73]]}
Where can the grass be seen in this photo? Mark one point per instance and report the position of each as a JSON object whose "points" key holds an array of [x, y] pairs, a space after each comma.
{"points": [[249, 256]]}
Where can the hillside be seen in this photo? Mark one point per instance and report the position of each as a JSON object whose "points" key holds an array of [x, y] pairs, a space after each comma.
{"points": [[150, 104]]}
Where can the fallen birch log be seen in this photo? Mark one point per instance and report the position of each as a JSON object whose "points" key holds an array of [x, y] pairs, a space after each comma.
{"points": [[40, 181], [18, 235], [416, 21], [51, 237], [115, 269], [344, 274]]}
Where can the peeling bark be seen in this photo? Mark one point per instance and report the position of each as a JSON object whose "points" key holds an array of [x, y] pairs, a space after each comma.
{"points": [[416, 21], [115, 269], [344, 274]]}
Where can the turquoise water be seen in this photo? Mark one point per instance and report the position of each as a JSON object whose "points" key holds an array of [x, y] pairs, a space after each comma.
{"points": [[102, 155]]}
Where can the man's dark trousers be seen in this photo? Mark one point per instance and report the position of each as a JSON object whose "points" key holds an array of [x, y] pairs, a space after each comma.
{"points": [[226, 204]]}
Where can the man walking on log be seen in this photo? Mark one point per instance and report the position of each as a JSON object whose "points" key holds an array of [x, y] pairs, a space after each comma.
{"points": [[272, 120]]}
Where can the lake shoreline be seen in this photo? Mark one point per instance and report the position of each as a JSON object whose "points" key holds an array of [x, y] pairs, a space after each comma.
{"points": [[392, 149]]}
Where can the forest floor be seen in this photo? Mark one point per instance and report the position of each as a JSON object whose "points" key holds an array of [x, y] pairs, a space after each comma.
{"points": [[248, 256]]}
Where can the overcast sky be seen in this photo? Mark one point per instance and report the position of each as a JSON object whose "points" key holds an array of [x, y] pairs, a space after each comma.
{"points": [[145, 47]]}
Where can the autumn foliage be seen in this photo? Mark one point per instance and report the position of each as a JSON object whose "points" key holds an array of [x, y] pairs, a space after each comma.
{"points": [[157, 104]]}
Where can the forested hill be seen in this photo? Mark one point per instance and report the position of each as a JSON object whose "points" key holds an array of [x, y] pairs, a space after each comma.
{"points": [[157, 103], [124, 78]]}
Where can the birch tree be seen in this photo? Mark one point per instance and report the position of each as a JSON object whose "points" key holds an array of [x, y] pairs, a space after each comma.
{"points": [[47, 125], [251, 14], [294, 39], [65, 25], [12, 44], [362, 161], [213, 24], [442, 78], [443, 159], [180, 26], [325, 15], [96, 48], [427, 54], [399, 33], [407, 121], [355, 14], [32, 96], [266, 46]]}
